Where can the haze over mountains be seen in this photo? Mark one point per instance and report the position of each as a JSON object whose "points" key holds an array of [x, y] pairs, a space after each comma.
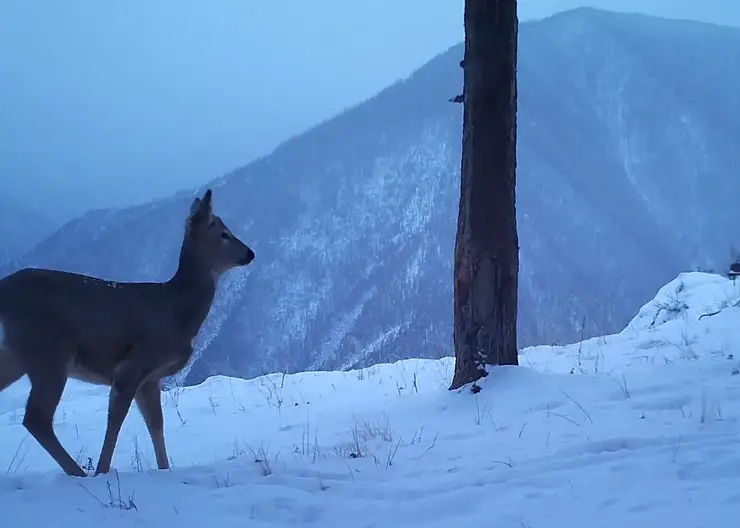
{"points": [[627, 162], [21, 227], [110, 104]]}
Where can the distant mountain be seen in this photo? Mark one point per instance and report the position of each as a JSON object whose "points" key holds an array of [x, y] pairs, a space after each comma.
{"points": [[21, 227], [627, 175]]}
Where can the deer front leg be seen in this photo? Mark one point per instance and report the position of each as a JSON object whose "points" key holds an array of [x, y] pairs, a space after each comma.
{"points": [[149, 401], [126, 382]]}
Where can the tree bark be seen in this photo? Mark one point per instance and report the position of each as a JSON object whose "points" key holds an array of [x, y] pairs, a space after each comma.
{"points": [[487, 244]]}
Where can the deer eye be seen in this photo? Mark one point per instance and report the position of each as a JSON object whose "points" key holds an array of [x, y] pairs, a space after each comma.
{"points": [[225, 235]]}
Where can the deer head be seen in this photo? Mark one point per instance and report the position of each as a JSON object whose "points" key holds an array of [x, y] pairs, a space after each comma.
{"points": [[218, 249]]}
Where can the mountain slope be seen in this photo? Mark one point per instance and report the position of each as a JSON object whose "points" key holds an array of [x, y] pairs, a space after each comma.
{"points": [[626, 163], [21, 227]]}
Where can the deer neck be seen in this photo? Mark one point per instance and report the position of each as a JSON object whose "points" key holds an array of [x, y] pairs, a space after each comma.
{"points": [[193, 288]]}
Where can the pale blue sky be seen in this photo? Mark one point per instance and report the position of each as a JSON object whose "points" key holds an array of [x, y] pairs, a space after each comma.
{"points": [[108, 103]]}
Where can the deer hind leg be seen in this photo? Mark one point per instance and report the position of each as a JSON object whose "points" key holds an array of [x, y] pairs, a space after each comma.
{"points": [[126, 382], [47, 386], [149, 401]]}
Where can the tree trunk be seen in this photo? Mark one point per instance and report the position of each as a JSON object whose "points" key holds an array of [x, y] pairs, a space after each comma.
{"points": [[487, 244]]}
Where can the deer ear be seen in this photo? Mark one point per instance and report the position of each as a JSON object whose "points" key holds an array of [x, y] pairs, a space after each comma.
{"points": [[205, 211], [207, 198], [200, 210], [205, 205]]}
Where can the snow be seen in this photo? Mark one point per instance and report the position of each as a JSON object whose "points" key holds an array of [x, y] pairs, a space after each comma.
{"points": [[633, 429]]}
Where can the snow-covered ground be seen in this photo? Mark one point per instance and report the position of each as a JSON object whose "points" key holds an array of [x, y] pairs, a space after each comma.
{"points": [[630, 430]]}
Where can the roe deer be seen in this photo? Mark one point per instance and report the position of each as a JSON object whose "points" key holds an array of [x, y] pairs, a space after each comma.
{"points": [[55, 325]]}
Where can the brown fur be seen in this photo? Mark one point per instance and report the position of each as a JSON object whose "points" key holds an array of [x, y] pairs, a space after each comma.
{"points": [[55, 325]]}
